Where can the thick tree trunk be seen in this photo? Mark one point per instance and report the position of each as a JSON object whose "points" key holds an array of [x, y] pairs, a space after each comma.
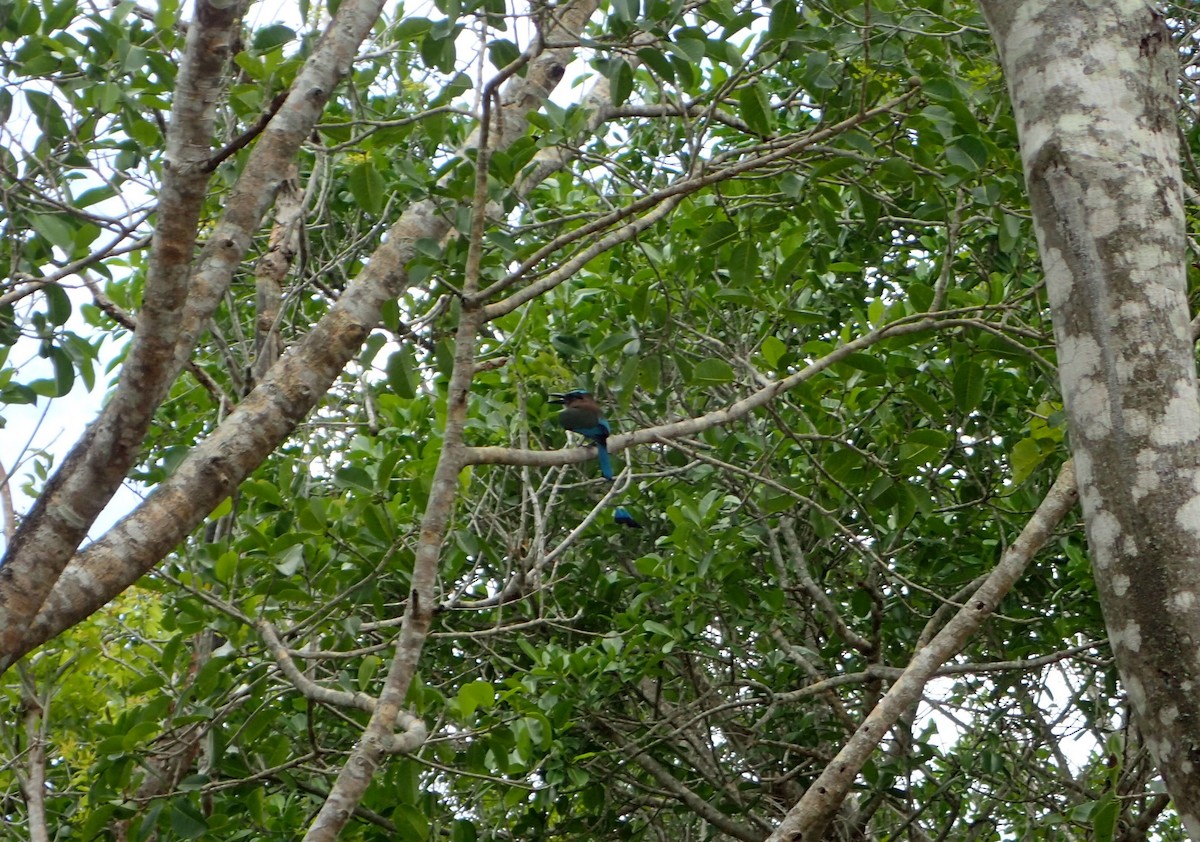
{"points": [[1093, 86]]}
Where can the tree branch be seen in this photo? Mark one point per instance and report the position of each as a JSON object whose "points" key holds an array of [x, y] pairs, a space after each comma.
{"points": [[96, 465], [809, 818]]}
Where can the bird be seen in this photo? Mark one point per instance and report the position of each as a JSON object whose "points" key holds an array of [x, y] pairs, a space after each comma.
{"points": [[581, 414]]}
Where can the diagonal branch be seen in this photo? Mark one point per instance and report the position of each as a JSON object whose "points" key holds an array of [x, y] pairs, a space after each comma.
{"points": [[96, 465], [810, 816], [679, 189], [677, 788], [284, 397], [178, 302], [270, 164]]}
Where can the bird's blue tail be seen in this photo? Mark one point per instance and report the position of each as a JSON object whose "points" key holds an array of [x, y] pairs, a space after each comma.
{"points": [[623, 517], [606, 470]]}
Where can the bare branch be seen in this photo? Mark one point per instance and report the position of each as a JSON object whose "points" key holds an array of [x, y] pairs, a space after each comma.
{"points": [[820, 803]]}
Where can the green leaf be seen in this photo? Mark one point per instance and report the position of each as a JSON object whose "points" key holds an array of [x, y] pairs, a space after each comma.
{"points": [[473, 696], [968, 153], [29, 19], [969, 383], [58, 308], [650, 373], [438, 49], [186, 821], [354, 476], [655, 627], [270, 37], [860, 143], [410, 29], [463, 830], [138, 733], [865, 362], [64, 371], [744, 264], [783, 21], [875, 312], [939, 89], [262, 490], [223, 508], [367, 670], [712, 371], [567, 345], [657, 62], [54, 228], [622, 82], [502, 53], [1103, 815], [755, 109], [226, 567], [402, 375], [135, 60], [367, 187], [626, 10], [1009, 232], [925, 446], [1025, 458], [58, 16], [921, 296], [411, 824], [291, 561], [313, 514], [772, 350]]}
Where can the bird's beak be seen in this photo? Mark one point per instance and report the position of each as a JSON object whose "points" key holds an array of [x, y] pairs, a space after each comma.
{"points": [[556, 397]]}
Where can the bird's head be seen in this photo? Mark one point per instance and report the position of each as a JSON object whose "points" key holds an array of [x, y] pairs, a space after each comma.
{"points": [[568, 398]]}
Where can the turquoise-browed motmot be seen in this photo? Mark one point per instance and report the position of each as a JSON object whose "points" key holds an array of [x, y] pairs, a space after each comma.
{"points": [[581, 414]]}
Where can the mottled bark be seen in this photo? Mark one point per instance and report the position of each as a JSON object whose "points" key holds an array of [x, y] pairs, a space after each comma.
{"points": [[32, 779], [182, 292], [1093, 86], [269, 277], [96, 465]]}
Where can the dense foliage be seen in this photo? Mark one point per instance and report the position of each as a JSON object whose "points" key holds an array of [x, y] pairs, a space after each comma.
{"points": [[683, 681]]}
